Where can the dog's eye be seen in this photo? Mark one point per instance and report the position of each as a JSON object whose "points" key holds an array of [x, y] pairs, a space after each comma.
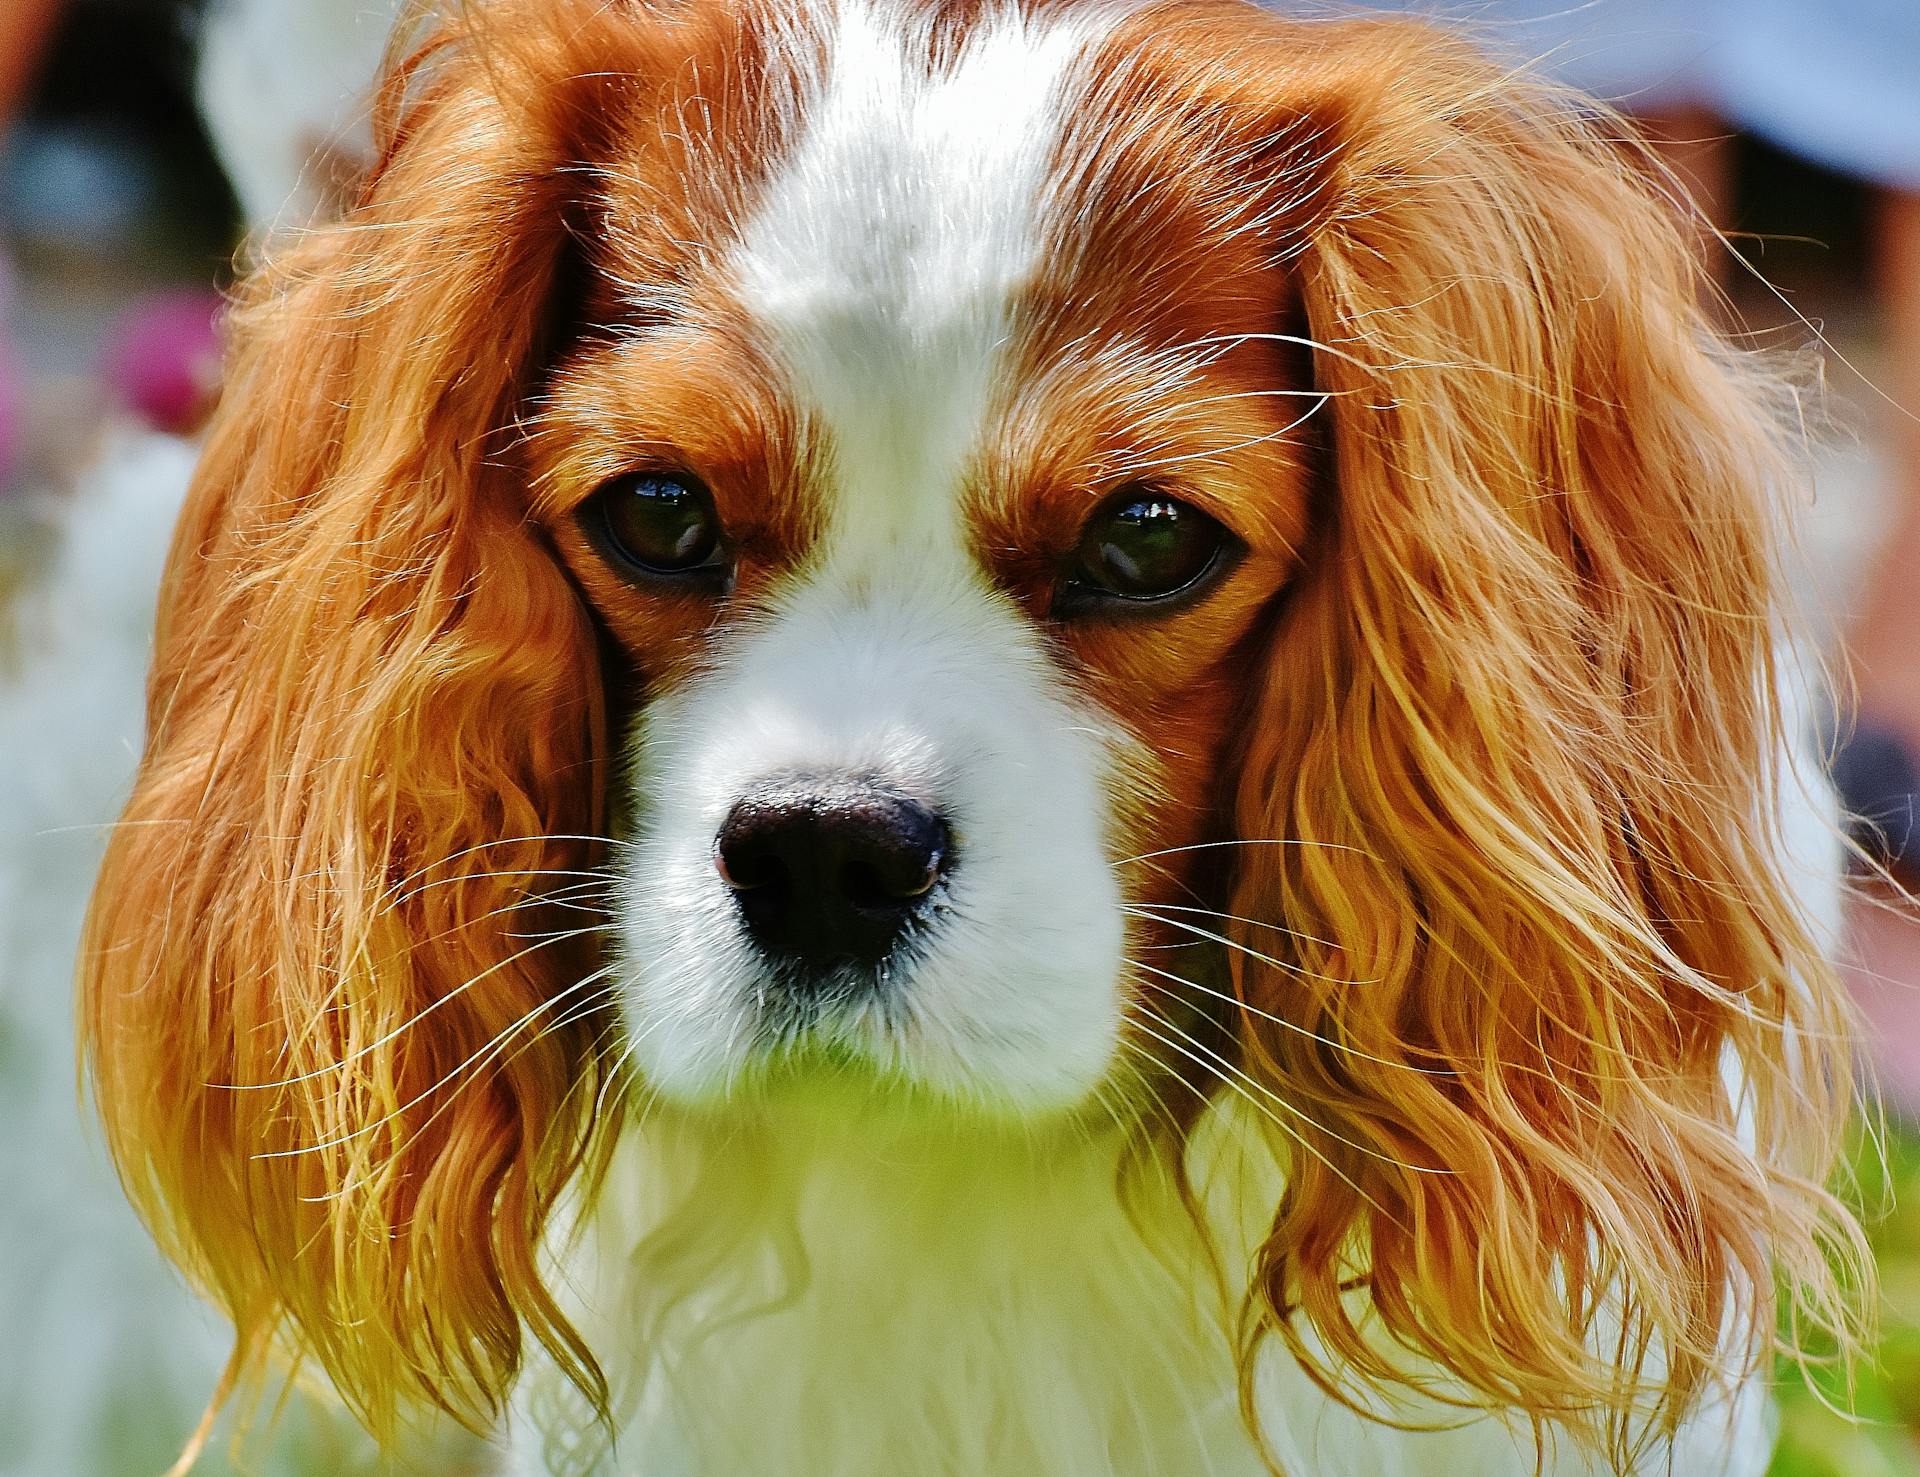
{"points": [[1143, 546], [659, 522]]}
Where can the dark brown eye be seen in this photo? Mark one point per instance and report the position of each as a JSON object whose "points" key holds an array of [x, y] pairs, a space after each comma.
{"points": [[658, 522], [1143, 545]]}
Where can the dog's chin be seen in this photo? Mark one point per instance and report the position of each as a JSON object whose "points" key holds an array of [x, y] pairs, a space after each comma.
{"points": [[862, 1056], [823, 1084]]}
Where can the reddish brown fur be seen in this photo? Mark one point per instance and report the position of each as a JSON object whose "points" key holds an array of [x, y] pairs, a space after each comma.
{"points": [[1512, 736], [376, 727]]}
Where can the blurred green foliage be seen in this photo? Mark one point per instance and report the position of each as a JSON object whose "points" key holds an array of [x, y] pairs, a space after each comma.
{"points": [[1882, 1437]]}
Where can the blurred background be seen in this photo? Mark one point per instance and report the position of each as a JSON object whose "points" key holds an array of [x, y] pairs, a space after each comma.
{"points": [[1796, 128]]}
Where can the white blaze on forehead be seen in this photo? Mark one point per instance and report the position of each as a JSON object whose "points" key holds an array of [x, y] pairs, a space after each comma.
{"points": [[883, 269], [885, 259]]}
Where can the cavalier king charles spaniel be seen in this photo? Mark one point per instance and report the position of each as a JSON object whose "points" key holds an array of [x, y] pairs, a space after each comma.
{"points": [[1014, 738]]}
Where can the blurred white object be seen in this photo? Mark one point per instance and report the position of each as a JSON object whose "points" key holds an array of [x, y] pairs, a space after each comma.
{"points": [[111, 1358], [109, 1325], [1643, 55], [283, 88], [1837, 81]]}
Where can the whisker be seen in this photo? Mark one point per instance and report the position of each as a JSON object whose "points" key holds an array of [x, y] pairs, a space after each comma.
{"points": [[584, 930], [389, 904], [1133, 466], [596, 1000], [1137, 911], [1288, 338], [1145, 1082], [1248, 841], [405, 1025], [1294, 1026], [476, 1058], [1290, 932], [616, 1073], [561, 897], [1264, 395], [466, 851], [1286, 1128], [1260, 1087]]}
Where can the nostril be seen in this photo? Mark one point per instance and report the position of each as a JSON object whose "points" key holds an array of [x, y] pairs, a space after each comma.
{"points": [[903, 860], [747, 868], [870, 886], [863, 887]]}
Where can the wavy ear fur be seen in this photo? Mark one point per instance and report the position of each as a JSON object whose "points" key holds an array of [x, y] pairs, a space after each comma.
{"points": [[1521, 734], [339, 1044]]}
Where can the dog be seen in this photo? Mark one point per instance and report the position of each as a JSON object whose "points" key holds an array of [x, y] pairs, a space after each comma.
{"points": [[919, 736]]}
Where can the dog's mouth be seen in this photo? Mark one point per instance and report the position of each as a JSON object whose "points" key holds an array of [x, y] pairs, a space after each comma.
{"points": [[847, 1017]]}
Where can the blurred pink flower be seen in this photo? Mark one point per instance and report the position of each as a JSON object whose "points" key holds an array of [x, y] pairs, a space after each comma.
{"points": [[163, 359]]}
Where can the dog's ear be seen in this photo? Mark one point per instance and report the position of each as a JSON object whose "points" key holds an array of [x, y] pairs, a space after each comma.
{"points": [[1567, 1063], [341, 1047]]}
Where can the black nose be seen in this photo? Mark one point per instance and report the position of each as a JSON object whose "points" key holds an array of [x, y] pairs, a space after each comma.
{"points": [[829, 871]]}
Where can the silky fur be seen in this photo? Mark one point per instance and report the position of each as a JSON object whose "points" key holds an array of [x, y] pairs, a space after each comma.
{"points": [[794, 1296], [1510, 1029]]}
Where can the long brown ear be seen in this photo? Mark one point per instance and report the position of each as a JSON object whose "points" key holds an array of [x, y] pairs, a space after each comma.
{"points": [[1519, 736], [340, 1054]]}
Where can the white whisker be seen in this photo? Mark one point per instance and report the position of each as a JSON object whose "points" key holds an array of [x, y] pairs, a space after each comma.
{"points": [[1294, 1026], [477, 1058], [406, 1025], [1139, 911]]}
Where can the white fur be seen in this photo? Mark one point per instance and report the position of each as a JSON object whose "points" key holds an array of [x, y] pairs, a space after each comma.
{"points": [[819, 1288], [882, 269], [886, 258]]}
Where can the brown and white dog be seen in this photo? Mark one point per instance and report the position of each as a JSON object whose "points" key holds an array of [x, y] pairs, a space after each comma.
{"points": [[984, 738]]}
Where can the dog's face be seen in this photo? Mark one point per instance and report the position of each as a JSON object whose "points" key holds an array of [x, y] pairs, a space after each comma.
{"points": [[1034, 556], [949, 451]]}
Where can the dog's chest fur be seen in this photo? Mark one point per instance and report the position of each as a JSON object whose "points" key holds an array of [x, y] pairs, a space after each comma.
{"points": [[784, 1303]]}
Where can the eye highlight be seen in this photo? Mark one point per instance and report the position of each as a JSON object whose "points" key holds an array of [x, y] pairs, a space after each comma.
{"points": [[1143, 547], [657, 523]]}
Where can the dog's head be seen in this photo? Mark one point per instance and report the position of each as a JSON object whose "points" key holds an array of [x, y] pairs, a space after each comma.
{"points": [[1035, 556]]}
